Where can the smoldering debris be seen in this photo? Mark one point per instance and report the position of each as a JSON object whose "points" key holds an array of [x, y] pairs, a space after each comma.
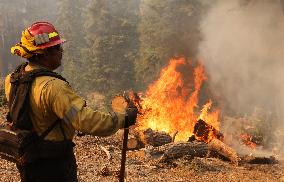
{"points": [[242, 48]]}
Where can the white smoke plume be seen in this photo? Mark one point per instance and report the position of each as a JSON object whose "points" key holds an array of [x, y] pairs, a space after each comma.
{"points": [[243, 52]]}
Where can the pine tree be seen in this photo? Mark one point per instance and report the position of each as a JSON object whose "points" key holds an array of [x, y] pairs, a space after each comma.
{"points": [[168, 28], [70, 23], [113, 44]]}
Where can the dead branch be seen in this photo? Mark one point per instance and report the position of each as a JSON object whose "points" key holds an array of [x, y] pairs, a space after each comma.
{"points": [[106, 152], [174, 136]]}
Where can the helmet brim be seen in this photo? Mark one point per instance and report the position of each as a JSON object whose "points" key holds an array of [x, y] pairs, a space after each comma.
{"points": [[52, 43]]}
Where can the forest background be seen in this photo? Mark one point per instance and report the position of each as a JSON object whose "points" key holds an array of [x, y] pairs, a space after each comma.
{"points": [[112, 45]]}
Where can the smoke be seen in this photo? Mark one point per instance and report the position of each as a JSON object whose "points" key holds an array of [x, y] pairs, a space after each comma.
{"points": [[243, 52]]}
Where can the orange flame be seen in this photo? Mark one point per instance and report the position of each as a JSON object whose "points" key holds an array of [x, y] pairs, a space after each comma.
{"points": [[247, 140], [171, 103]]}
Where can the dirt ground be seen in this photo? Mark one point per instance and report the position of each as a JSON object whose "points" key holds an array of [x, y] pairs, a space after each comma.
{"points": [[93, 165]]}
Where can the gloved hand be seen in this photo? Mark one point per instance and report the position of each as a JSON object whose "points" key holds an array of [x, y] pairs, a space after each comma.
{"points": [[123, 104], [131, 115]]}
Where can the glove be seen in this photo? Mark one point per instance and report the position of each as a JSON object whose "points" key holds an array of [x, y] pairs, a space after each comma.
{"points": [[131, 115], [122, 104]]}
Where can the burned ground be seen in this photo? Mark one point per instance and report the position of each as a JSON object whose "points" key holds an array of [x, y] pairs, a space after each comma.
{"points": [[93, 165]]}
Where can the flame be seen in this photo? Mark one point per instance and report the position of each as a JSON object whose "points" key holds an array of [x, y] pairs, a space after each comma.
{"points": [[246, 139], [171, 103], [210, 117]]}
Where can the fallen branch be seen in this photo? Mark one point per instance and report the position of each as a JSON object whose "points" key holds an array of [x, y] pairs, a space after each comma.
{"points": [[106, 152], [259, 160]]}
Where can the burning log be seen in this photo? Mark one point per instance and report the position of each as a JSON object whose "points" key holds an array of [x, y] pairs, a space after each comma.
{"points": [[214, 138], [224, 150], [193, 148], [205, 132]]}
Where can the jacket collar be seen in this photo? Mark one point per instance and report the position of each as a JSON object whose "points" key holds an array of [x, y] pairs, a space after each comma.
{"points": [[33, 66]]}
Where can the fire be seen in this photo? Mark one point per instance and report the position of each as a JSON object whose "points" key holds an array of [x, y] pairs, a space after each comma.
{"points": [[247, 140], [171, 103]]}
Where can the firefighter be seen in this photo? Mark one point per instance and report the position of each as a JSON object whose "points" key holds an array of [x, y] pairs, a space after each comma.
{"points": [[51, 100]]}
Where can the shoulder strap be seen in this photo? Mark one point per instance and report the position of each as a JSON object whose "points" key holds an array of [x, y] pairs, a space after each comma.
{"points": [[48, 130], [21, 76], [31, 75]]}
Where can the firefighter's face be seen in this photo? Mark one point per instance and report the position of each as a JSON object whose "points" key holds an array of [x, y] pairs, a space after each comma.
{"points": [[55, 56]]}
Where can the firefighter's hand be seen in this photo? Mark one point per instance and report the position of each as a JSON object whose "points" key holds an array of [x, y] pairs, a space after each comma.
{"points": [[131, 115]]}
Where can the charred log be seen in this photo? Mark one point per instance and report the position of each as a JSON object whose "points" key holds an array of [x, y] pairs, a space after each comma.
{"points": [[191, 139], [215, 148], [203, 131], [172, 151], [156, 138], [224, 150], [259, 160], [181, 149]]}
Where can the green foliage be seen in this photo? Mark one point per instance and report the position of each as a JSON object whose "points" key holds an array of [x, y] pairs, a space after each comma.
{"points": [[112, 46], [167, 29], [70, 25]]}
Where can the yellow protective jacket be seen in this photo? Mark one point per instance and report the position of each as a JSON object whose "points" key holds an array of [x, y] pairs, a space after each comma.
{"points": [[52, 98]]}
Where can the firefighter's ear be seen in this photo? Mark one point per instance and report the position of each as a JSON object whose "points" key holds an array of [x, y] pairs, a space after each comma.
{"points": [[85, 104], [35, 58]]}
